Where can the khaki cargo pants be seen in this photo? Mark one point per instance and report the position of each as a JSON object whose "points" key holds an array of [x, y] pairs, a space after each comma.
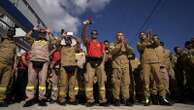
{"points": [[165, 80], [32, 81], [153, 69], [67, 84], [53, 80], [5, 75], [121, 81], [89, 81]]}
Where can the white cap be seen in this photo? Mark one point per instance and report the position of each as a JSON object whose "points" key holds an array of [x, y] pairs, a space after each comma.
{"points": [[21, 52], [70, 33]]}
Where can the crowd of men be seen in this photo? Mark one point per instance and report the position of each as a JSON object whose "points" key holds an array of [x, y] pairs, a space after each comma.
{"points": [[58, 70]]}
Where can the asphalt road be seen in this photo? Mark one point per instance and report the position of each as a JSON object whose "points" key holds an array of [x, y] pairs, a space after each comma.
{"points": [[177, 106]]}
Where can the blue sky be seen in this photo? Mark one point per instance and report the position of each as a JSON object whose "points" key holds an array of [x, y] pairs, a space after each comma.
{"points": [[173, 20]]}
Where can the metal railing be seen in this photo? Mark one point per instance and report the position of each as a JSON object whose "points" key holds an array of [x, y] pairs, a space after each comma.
{"points": [[20, 42], [5, 24]]}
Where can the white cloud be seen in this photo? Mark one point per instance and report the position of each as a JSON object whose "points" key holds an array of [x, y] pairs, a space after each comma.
{"points": [[97, 5], [65, 13]]}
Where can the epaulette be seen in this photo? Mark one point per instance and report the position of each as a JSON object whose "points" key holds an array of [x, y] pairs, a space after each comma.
{"points": [[112, 45]]}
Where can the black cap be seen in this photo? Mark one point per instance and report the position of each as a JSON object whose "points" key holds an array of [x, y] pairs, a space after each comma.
{"points": [[94, 32]]}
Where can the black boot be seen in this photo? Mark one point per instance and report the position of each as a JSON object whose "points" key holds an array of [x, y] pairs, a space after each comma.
{"points": [[147, 101], [73, 102], [29, 103], [163, 101], [52, 101], [127, 102], [62, 102], [116, 102], [90, 104], [105, 104], [154, 99], [4, 104], [42, 103]]}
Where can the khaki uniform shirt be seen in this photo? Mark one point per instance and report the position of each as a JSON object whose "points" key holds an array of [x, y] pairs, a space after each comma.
{"points": [[68, 56], [7, 51], [120, 56], [40, 51], [148, 54]]}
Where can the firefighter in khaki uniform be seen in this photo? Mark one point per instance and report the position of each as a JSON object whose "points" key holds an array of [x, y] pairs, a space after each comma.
{"points": [[151, 66], [81, 60], [170, 74], [160, 52], [53, 77], [190, 68], [165, 71], [7, 64], [68, 73], [38, 66], [120, 65], [108, 70], [94, 66]]}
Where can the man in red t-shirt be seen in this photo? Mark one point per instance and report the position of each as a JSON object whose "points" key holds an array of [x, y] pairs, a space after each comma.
{"points": [[94, 66]]}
